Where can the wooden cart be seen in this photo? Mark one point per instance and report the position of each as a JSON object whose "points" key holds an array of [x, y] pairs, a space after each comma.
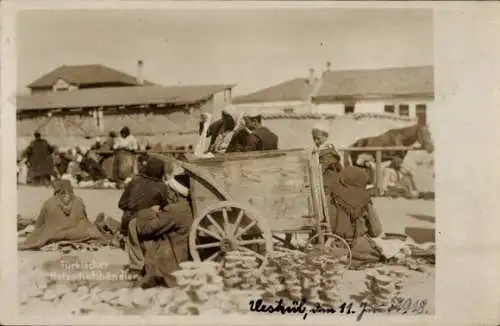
{"points": [[242, 200]]}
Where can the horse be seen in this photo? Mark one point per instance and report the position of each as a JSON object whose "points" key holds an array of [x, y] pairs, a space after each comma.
{"points": [[401, 137]]}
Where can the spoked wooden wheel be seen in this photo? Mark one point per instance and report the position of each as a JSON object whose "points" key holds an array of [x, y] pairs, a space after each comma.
{"points": [[229, 226], [334, 245]]}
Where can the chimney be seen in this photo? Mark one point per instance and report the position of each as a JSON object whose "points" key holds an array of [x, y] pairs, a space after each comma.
{"points": [[140, 78], [311, 76]]}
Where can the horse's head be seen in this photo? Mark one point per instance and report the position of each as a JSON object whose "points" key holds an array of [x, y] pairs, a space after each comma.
{"points": [[424, 138]]}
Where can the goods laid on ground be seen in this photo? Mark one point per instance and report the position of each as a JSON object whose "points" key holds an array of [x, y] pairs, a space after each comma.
{"points": [[289, 275], [382, 290], [67, 247]]}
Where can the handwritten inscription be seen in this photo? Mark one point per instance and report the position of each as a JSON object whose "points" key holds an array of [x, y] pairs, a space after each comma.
{"points": [[302, 307]]}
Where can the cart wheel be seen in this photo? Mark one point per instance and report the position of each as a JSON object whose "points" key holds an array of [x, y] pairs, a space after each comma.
{"points": [[229, 226], [333, 242]]}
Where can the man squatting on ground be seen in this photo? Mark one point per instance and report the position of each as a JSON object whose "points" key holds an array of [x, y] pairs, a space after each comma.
{"points": [[156, 222]]}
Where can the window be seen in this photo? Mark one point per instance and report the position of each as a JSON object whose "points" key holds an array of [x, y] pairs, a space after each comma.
{"points": [[389, 108], [61, 85], [348, 108], [421, 113], [404, 110]]}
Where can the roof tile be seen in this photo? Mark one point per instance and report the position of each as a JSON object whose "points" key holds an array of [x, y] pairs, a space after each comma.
{"points": [[118, 96], [85, 75]]}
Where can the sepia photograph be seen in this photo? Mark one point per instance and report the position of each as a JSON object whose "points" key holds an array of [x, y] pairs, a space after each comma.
{"points": [[230, 161]]}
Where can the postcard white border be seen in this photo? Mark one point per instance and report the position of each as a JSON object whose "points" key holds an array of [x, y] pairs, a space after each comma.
{"points": [[467, 75]]}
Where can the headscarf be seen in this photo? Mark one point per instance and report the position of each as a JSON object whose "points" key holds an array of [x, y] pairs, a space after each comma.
{"points": [[63, 191], [350, 193], [154, 169]]}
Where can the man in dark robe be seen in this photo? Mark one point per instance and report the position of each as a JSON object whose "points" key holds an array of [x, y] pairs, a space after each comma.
{"points": [[262, 138], [157, 241], [353, 217], [242, 141], [145, 190], [63, 217], [107, 155], [329, 160], [40, 161]]}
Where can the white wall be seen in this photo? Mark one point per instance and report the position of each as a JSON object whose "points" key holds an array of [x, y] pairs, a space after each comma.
{"points": [[372, 106], [274, 107]]}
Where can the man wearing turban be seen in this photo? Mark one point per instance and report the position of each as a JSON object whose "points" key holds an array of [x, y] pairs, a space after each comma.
{"points": [[320, 135]]}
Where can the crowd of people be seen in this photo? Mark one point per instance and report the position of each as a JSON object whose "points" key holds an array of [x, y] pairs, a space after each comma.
{"points": [[157, 207]]}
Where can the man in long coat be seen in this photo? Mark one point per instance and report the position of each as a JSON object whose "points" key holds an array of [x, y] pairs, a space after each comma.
{"points": [[265, 139], [157, 240], [40, 161]]}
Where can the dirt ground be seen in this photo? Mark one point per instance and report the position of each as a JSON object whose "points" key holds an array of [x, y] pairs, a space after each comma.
{"points": [[396, 215]]}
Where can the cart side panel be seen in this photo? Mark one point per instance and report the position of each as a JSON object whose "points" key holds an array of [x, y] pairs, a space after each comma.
{"points": [[276, 186]]}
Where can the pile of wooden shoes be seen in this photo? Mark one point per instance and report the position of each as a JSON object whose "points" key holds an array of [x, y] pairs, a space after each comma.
{"points": [[382, 290], [238, 270], [294, 275], [200, 286]]}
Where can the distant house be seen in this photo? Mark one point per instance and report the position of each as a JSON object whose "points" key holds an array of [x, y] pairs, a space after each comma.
{"points": [[404, 91], [99, 99], [290, 96], [69, 78]]}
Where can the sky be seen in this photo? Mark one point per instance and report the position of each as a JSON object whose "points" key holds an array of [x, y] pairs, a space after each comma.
{"points": [[251, 48]]}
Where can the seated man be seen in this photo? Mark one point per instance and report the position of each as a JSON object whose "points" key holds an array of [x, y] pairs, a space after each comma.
{"points": [[157, 240], [353, 217], [242, 139], [398, 181], [253, 136], [63, 217]]}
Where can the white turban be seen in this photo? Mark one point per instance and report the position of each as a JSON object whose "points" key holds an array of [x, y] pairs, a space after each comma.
{"points": [[321, 126]]}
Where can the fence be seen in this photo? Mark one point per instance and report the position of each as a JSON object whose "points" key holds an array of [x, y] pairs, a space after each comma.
{"points": [[378, 159]]}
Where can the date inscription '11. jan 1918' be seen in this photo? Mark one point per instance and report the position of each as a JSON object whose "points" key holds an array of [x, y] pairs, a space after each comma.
{"points": [[403, 306]]}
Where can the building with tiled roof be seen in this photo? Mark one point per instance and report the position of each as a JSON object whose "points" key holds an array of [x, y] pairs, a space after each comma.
{"points": [[101, 99], [85, 76], [289, 96], [404, 91]]}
